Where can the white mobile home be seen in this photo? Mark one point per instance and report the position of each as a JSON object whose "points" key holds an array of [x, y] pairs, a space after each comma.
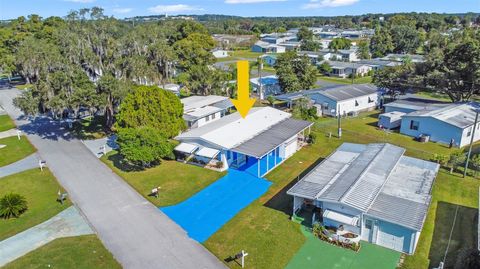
{"points": [[371, 191], [390, 120], [255, 144], [201, 110], [346, 99]]}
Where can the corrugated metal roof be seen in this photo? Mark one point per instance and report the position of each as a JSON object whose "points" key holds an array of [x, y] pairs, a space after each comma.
{"points": [[340, 185], [225, 104], [417, 104], [376, 179], [461, 115], [336, 92], [271, 138], [367, 187], [400, 211], [346, 92], [316, 180]]}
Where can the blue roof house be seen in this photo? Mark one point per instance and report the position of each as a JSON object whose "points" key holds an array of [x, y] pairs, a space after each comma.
{"points": [[266, 86]]}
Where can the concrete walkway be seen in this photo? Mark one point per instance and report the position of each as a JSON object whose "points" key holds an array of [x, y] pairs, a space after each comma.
{"points": [[67, 223], [96, 145], [26, 163], [8, 133], [131, 228]]}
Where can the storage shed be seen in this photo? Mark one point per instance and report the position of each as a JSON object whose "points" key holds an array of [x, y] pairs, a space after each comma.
{"points": [[390, 120]]}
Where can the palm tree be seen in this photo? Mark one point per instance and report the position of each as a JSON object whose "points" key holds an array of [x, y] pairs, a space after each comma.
{"points": [[12, 205]]}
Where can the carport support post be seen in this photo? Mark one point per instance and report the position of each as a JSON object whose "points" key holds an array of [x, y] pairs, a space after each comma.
{"points": [[258, 166], [267, 161]]}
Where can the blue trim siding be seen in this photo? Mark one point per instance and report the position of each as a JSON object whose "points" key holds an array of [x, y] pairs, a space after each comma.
{"points": [[438, 131]]}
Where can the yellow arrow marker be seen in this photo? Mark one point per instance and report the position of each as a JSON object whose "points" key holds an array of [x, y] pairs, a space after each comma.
{"points": [[243, 103]]}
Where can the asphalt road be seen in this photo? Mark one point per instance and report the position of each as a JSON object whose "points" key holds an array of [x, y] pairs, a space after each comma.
{"points": [[137, 233]]}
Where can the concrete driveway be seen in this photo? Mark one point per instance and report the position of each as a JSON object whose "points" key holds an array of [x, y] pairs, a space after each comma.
{"points": [[135, 231]]}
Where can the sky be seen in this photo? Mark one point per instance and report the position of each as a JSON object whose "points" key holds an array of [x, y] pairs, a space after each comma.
{"points": [[248, 8]]}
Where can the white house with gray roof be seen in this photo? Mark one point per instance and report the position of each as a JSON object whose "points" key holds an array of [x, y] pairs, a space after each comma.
{"points": [[339, 99], [256, 144], [201, 110], [373, 191], [454, 121]]}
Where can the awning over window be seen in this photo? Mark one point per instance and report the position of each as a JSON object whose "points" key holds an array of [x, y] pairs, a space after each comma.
{"points": [[207, 152], [339, 217], [186, 148]]}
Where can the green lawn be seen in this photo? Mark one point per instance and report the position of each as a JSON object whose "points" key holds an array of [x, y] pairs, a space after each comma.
{"points": [[6, 123], [24, 86], [451, 189], [40, 189], [70, 252], [316, 253], [264, 230], [240, 55], [360, 80], [15, 149], [178, 181], [464, 235]]}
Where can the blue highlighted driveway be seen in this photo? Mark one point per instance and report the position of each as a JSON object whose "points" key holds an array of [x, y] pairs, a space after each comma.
{"points": [[208, 210]]}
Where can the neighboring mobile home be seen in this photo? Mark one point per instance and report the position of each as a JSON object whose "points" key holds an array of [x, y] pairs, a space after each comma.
{"points": [[339, 99], [346, 99], [201, 110], [255, 144], [372, 191], [454, 122]]}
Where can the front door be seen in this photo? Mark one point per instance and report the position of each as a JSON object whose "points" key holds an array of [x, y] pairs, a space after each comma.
{"points": [[368, 230]]}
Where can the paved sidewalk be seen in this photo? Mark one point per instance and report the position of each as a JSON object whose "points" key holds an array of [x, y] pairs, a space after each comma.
{"points": [[26, 163], [8, 133], [131, 228], [67, 223], [96, 145]]}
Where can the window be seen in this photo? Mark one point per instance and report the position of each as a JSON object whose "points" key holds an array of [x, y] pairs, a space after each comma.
{"points": [[414, 125], [370, 100], [207, 118], [213, 116], [356, 103], [368, 224]]}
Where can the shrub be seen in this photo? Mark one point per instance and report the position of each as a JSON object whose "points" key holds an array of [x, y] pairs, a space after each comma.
{"points": [[312, 138], [219, 165], [12, 205]]}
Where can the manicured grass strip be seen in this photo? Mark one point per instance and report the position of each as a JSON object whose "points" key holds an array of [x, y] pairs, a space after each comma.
{"points": [[360, 80], [40, 189], [317, 254], [464, 235], [71, 252], [178, 181], [6, 123], [15, 149], [450, 188]]}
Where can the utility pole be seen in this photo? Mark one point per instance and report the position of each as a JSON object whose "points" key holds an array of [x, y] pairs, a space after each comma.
{"points": [[471, 143], [339, 122], [353, 72], [260, 67]]}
